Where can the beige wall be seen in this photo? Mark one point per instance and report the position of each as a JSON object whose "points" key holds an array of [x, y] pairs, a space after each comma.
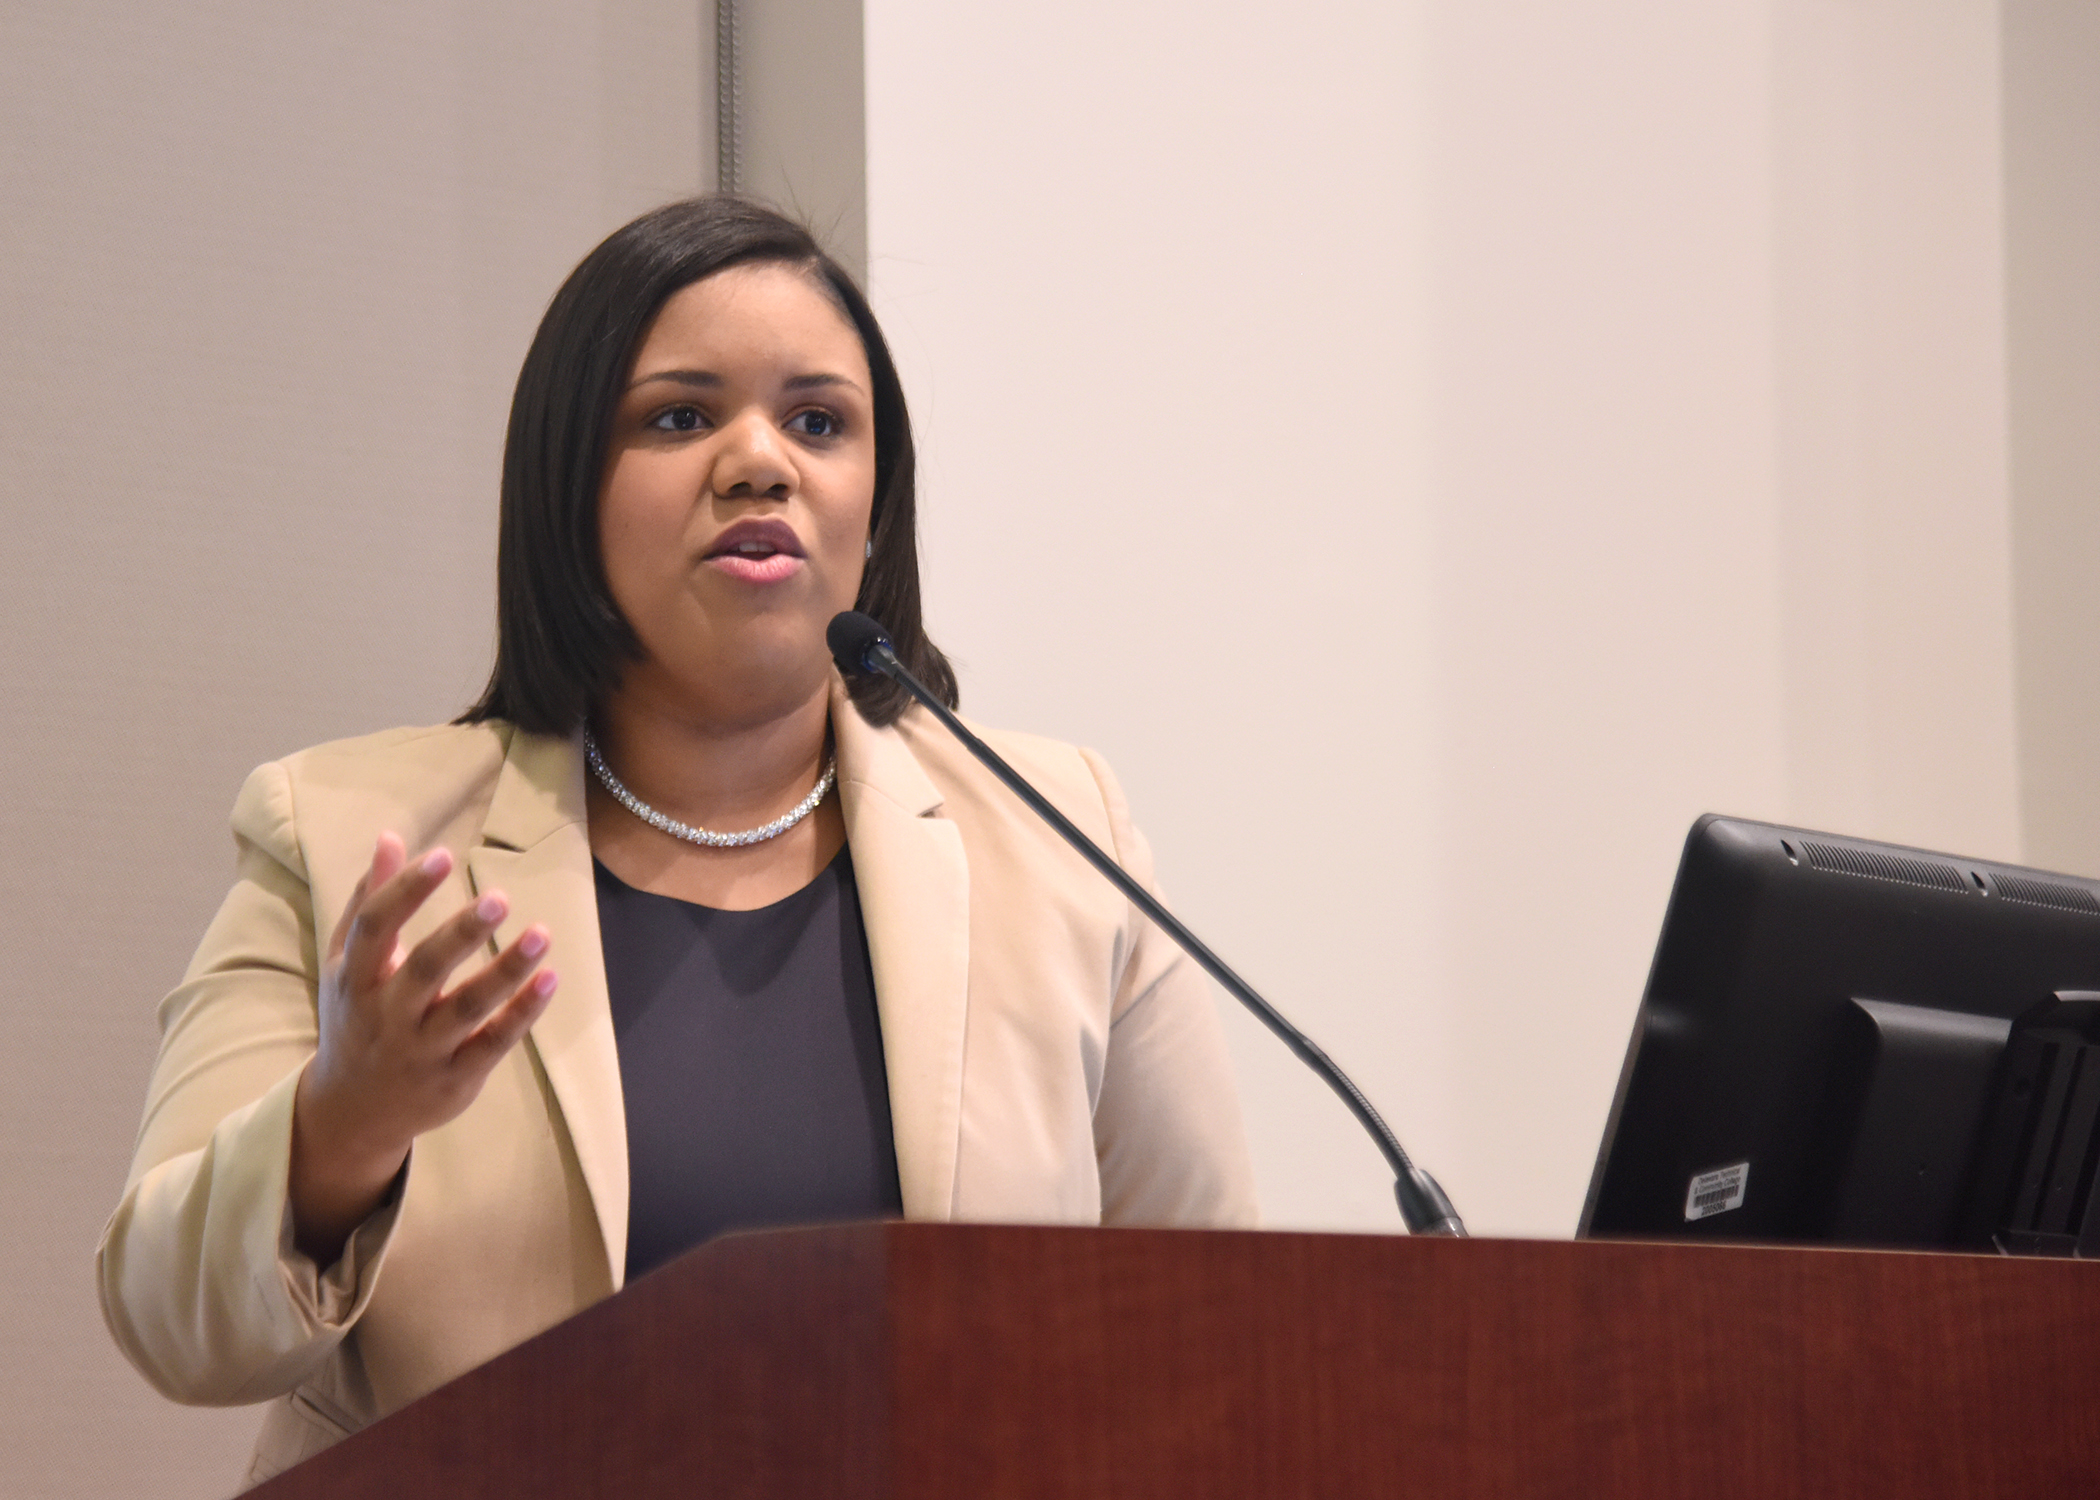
{"points": [[269, 272], [803, 116], [1436, 450], [2052, 192]]}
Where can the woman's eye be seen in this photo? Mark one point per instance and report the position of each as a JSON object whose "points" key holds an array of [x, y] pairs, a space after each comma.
{"points": [[814, 424], [678, 419]]}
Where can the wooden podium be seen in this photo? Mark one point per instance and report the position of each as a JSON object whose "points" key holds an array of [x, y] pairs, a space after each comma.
{"points": [[917, 1360]]}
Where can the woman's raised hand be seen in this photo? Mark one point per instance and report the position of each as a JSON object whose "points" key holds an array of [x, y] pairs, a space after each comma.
{"points": [[399, 1053]]}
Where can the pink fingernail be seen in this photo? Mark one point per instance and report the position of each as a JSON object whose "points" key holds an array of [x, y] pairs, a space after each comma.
{"points": [[490, 908], [437, 862], [543, 982], [533, 944]]}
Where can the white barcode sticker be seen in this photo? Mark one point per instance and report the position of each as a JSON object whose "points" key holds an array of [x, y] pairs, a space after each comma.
{"points": [[1716, 1192]]}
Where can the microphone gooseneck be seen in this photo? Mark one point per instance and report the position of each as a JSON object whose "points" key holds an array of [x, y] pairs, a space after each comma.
{"points": [[861, 647]]}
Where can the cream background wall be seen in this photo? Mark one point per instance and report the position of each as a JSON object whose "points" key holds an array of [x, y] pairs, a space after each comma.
{"points": [[2052, 193], [802, 145], [1437, 450], [270, 270]]}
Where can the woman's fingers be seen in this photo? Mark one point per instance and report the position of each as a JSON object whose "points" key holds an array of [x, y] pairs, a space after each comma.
{"points": [[368, 951], [503, 1030], [425, 968], [387, 857], [342, 923], [459, 1012]]}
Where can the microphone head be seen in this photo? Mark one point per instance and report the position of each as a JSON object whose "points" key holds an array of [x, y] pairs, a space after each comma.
{"points": [[851, 637]]}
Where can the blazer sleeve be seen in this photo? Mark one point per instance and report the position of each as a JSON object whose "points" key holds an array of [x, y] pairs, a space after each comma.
{"points": [[1168, 1135], [200, 1281]]}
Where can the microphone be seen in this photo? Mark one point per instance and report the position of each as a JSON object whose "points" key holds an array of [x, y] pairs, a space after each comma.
{"points": [[861, 647]]}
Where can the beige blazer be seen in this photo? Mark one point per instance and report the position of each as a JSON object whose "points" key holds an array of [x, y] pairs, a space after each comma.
{"points": [[1052, 1059]]}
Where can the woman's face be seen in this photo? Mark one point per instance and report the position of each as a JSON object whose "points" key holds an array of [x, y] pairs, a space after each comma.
{"points": [[738, 490]]}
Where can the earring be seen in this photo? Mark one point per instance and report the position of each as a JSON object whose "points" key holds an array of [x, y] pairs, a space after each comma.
{"points": [[870, 550]]}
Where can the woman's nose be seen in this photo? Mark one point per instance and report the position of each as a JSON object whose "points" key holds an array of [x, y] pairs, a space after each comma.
{"points": [[752, 459]]}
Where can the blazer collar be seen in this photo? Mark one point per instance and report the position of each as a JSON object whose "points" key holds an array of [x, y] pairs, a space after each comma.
{"points": [[536, 846], [914, 881]]}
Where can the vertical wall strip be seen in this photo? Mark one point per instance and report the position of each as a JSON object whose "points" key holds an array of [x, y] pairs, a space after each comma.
{"points": [[729, 101]]}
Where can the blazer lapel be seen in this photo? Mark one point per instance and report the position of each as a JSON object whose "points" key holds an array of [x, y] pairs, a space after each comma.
{"points": [[914, 884], [536, 848]]}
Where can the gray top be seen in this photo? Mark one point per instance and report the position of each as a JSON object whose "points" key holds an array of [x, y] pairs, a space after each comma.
{"points": [[751, 1063]]}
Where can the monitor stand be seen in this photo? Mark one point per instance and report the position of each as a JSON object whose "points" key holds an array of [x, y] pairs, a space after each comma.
{"points": [[2034, 1178], [1927, 1087]]}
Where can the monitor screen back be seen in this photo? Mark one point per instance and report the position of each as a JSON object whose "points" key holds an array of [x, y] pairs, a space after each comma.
{"points": [[1845, 1042]]}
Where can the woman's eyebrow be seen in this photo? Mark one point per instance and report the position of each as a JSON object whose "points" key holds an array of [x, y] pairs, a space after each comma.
{"points": [[819, 382], [704, 378], [708, 380]]}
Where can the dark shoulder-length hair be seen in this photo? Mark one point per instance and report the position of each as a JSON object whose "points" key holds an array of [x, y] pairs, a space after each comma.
{"points": [[561, 642]]}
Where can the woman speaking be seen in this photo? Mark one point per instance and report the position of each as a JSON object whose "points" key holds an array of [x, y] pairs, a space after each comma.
{"points": [[674, 932]]}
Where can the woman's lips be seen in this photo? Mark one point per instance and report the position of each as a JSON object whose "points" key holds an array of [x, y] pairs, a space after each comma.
{"points": [[747, 567], [757, 551]]}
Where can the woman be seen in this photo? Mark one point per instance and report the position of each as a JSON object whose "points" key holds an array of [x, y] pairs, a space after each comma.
{"points": [[383, 1143]]}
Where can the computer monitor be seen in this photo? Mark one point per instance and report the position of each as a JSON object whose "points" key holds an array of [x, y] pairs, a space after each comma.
{"points": [[1853, 1043]]}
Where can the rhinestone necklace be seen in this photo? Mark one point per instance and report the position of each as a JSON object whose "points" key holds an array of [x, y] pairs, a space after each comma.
{"points": [[692, 835]]}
